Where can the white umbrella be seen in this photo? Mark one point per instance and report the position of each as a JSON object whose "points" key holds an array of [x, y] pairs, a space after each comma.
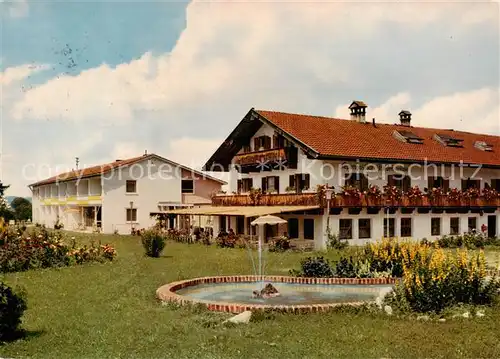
{"points": [[268, 220], [259, 222]]}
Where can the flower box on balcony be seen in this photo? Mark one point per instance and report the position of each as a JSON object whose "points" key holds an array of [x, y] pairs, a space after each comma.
{"points": [[437, 201], [490, 209], [423, 210], [373, 201], [414, 201], [407, 210], [373, 210], [454, 203], [351, 201]]}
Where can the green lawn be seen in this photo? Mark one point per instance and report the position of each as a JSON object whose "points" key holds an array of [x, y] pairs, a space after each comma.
{"points": [[110, 311]]}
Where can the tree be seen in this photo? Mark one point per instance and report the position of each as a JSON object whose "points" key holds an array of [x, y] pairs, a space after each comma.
{"points": [[5, 211], [22, 208], [3, 188]]}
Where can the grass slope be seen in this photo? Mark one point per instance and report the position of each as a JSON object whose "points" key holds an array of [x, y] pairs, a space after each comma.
{"points": [[110, 311]]}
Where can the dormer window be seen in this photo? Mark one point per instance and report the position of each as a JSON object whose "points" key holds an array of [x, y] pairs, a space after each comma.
{"points": [[408, 137], [483, 146], [448, 141]]}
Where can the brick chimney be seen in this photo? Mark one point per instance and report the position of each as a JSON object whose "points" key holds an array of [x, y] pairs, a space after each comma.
{"points": [[405, 118], [358, 111]]}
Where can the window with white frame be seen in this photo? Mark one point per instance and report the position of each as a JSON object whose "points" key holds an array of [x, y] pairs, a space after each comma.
{"points": [[406, 227], [436, 226], [131, 214], [454, 225], [345, 228], [472, 223], [364, 228], [131, 186]]}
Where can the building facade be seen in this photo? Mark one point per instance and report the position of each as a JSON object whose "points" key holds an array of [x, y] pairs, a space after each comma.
{"points": [[388, 180], [120, 196]]}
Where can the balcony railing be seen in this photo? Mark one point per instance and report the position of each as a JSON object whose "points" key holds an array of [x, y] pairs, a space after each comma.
{"points": [[303, 199], [312, 199], [254, 158]]}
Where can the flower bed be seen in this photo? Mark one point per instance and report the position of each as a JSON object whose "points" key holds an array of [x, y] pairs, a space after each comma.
{"points": [[43, 249], [436, 280], [470, 240], [432, 278]]}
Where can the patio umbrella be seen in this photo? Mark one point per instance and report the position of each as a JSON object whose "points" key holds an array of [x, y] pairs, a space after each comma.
{"points": [[268, 219]]}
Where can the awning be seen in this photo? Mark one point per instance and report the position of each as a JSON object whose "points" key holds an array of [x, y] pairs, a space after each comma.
{"points": [[247, 211]]}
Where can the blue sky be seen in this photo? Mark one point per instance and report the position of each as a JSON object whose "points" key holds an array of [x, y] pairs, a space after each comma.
{"points": [[73, 36], [103, 80]]}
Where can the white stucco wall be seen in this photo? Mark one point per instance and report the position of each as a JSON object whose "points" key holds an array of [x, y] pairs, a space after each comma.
{"points": [[153, 186]]}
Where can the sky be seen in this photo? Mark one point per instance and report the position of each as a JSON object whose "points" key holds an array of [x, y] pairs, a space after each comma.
{"points": [[106, 80]]}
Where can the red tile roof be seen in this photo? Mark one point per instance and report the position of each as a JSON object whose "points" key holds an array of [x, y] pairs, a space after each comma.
{"points": [[351, 139], [104, 168]]}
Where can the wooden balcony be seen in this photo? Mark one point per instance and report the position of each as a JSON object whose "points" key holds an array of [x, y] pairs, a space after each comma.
{"points": [[312, 199], [303, 199], [254, 158], [405, 201]]}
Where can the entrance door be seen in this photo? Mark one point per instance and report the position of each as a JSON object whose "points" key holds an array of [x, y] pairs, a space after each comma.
{"points": [[222, 223], [492, 226], [89, 216], [293, 228], [99, 217]]}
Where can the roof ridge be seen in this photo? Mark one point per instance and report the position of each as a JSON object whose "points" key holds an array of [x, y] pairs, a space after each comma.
{"points": [[379, 123], [108, 166]]}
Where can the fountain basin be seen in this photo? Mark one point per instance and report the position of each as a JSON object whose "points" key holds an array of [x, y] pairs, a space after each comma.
{"points": [[297, 295]]}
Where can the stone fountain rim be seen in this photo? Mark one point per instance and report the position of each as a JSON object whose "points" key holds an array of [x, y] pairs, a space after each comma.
{"points": [[167, 292]]}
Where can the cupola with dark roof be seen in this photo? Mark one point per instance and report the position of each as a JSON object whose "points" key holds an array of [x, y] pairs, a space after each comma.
{"points": [[405, 118], [358, 111]]}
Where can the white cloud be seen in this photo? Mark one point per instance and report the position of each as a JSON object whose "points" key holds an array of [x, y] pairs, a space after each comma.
{"points": [[290, 56], [192, 152], [475, 111], [223, 47], [18, 73], [124, 150], [16, 8]]}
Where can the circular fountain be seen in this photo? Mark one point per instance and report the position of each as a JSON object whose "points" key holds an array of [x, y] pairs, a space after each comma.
{"points": [[237, 294], [296, 294]]}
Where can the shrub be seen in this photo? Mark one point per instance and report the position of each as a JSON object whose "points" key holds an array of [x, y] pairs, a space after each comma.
{"points": [[42, 249], [470, 240], [334, 242], [153, 242], [12, 307], [317, 267], [58, 224], [280, 245], [178, 235], [345, 268], [388, 254], [435, 280], [226, 241]]}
